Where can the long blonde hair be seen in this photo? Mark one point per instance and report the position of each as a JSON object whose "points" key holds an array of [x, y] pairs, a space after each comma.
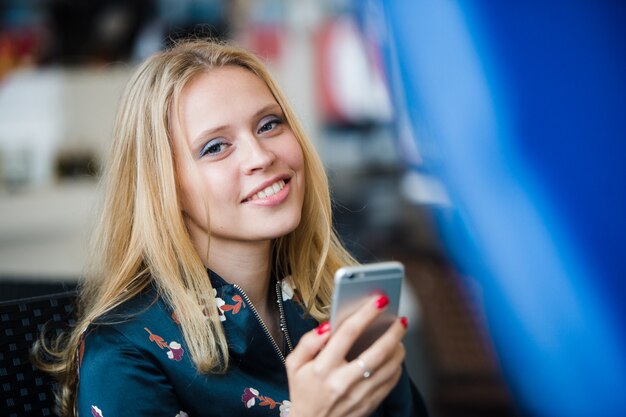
{"points": [[141, 236]]}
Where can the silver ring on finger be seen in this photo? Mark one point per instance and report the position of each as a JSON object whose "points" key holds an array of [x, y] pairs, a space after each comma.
{"points": [[367, 372]]}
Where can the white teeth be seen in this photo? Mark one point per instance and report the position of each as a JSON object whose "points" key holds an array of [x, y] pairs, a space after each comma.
{"points": [[271, 190]]}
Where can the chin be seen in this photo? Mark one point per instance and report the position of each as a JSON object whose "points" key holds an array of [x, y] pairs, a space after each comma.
{"points": [[285, 228]]}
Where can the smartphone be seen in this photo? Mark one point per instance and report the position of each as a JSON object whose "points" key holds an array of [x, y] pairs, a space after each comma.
{"points": [[353, 284]]}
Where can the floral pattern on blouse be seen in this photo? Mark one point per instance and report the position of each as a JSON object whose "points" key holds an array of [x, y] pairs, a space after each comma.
{"points": [[96, 412], [251, 396], [287, 288], [182, 414], [222, 307], [174, 349], [284, 408], [220, 302]]}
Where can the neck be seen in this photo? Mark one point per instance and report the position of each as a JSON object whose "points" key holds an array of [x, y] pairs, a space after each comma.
{"points": [[246, 264]]}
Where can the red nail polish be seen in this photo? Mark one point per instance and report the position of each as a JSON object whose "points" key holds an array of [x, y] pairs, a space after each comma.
{"points": [[404, 322], [323, 328], [382, 301]]}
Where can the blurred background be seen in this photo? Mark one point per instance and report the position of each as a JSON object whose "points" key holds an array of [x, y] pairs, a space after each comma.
{"points": [[393, 95]]}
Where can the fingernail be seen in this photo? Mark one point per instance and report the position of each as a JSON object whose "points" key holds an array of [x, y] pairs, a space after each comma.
{"points": [[404, 322], [323, 328], [382, 301]]}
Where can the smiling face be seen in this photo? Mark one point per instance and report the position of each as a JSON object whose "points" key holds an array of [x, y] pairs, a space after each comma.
{"points": [[245, 163]]}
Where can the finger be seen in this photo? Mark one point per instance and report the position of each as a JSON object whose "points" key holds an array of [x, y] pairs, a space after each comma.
{"points": [[365, 394], [349, 330], [374, 390], [379, 361], [385, 371], [308, 347], [373, 372], [379, 352]]}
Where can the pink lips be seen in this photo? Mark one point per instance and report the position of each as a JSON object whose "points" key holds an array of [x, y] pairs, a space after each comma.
{"points": [[270, 200], [273, 199]]}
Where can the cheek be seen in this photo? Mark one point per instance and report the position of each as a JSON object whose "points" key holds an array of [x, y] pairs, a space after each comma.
{"points": [[217, 190], [191, 195], [295, 160], [188, 196], [294, 156]]}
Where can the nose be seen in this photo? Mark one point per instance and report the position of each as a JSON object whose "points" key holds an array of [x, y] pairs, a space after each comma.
{"points": [[256, 155]]}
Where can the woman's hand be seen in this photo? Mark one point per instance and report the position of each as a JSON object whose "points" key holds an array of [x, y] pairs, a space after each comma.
{"points": [[323, 384]]}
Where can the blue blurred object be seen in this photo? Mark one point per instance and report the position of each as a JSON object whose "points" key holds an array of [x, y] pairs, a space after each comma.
{"points": [[520, 108]]}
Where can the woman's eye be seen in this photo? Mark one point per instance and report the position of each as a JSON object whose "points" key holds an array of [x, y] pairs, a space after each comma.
{"points": [[214, 147], [270, 125]]}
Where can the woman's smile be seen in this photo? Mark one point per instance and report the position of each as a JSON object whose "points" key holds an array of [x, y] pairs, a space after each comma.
{"points": [[272, 194]]}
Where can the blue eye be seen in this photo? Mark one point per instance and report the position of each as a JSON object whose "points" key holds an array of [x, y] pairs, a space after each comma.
{"points": [[214, 147], [270, 124]]}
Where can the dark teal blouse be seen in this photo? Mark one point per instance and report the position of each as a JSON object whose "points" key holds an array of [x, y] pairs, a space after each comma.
{"points": [[136, 364]]}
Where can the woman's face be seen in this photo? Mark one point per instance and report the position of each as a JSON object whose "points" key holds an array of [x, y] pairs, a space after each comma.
{"points": [[245, 160]]}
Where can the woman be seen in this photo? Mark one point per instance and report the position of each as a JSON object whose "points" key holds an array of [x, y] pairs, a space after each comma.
{"points": [[213, 261]]}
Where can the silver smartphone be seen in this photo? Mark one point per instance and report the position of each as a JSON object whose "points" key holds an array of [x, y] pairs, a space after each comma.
{"points": [[355, 283]]}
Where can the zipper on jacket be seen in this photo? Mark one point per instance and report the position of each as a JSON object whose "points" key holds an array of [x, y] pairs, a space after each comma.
{"points": [[283, 326], [281, 312]]}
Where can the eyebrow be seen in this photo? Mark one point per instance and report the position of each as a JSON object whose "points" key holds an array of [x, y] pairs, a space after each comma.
{"points": [[202, 136]]}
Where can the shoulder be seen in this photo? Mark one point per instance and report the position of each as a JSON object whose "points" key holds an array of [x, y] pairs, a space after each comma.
{"points": [[126, 351], [134, 328]]}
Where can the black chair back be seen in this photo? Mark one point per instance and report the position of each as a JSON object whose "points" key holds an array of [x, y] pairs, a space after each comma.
{"points": [[26, 391]]}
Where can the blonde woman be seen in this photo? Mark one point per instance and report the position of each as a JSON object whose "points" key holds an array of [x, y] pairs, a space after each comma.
{"points": [[213, 261]]}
